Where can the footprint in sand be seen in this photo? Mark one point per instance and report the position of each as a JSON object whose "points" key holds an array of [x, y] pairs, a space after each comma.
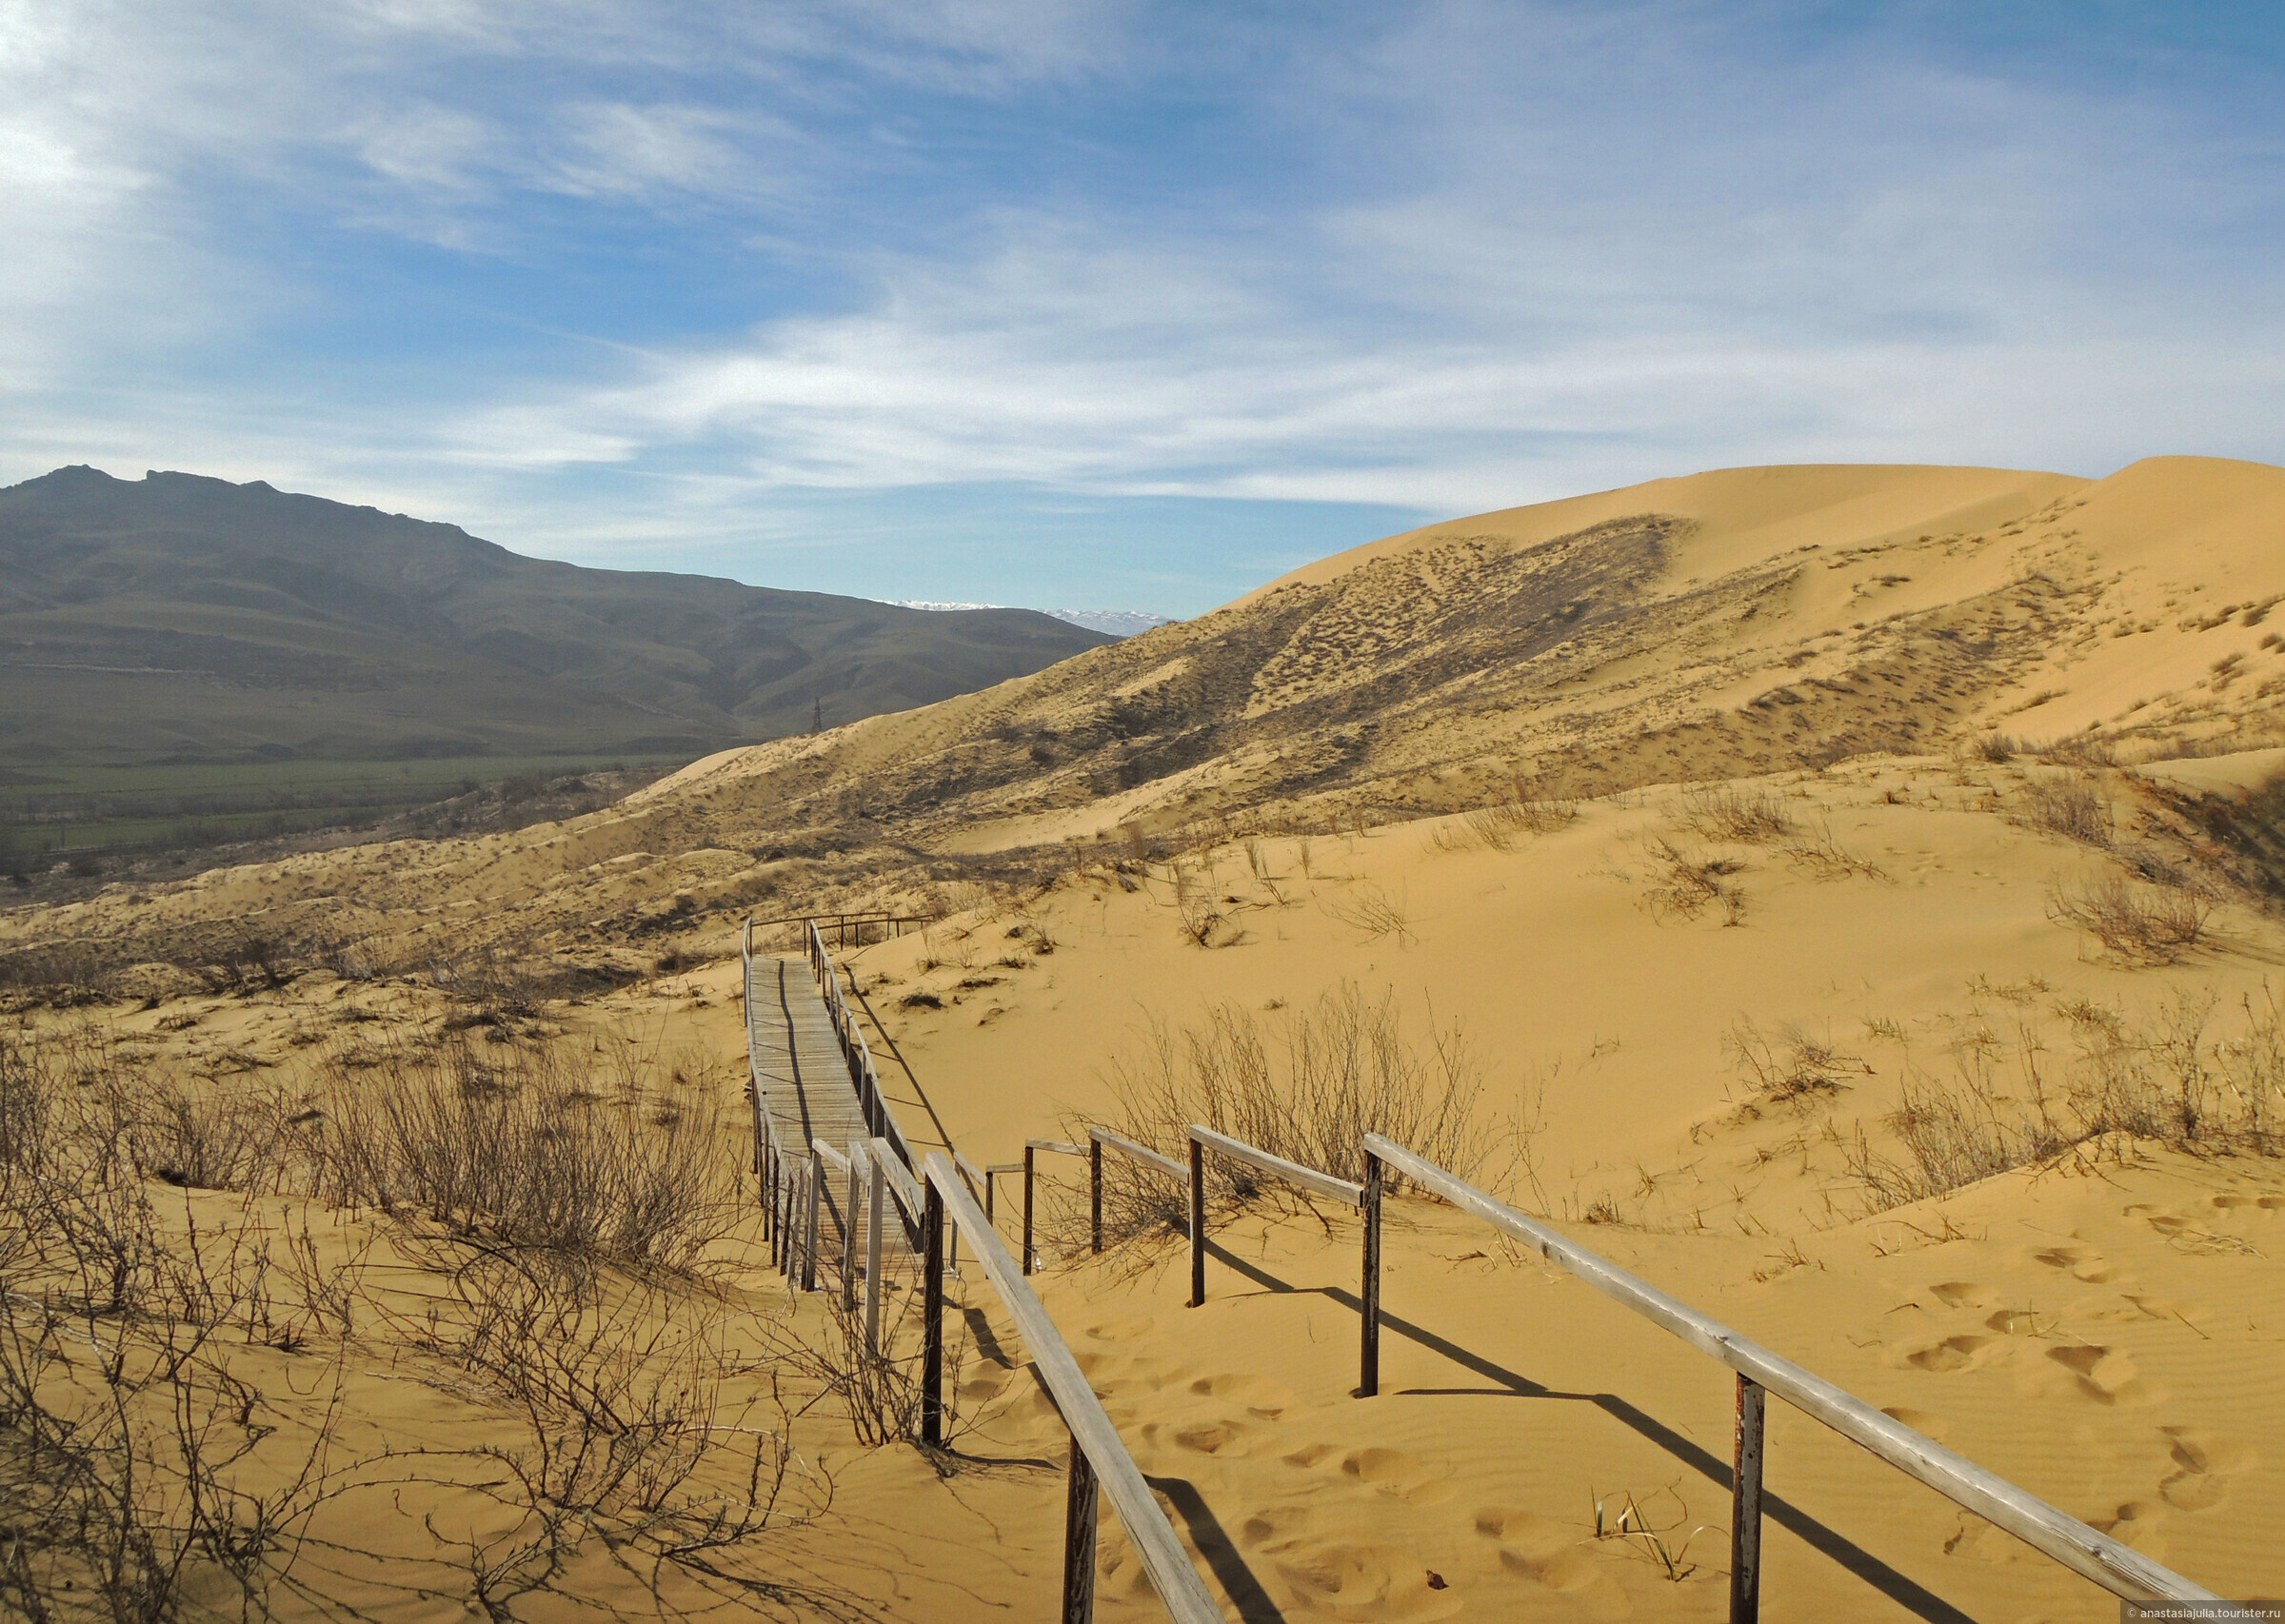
{"points": [[1960, 1294], [1363, 1583], [2203, 1467], [2134, 1523], [1953, 1353], [1549, 1554], [1121, 1329], [1206, 1437], [1309, 1455], [2020, 1322], [985, 1380], [1272, 1524], [2106, 1376], [1926, 1422], [2080, 1262], [1398, 1474], [1264, 1398]]}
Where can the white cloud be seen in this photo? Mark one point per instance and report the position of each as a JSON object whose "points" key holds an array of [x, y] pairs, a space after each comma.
{"points": [[1449, 257]]}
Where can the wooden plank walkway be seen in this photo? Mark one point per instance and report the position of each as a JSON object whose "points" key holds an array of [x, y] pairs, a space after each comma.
{"points": [[806, 1088]]}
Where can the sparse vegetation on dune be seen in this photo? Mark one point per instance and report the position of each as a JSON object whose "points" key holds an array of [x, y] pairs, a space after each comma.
{"points": [[2010, 1103], [179, 1351], [1305, 1084]]}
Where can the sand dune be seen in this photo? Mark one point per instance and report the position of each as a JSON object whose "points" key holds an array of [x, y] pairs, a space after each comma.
{"points": [[1698, 816]]}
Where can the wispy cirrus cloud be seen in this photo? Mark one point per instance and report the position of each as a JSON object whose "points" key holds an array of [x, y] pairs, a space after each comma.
{"points": [[627, 279]]}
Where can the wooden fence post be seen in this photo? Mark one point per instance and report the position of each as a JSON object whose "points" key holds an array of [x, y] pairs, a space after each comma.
{"points": [[1079, 1519], [1745, 1504], [848, 1240], [872, 1254], [932, 1316], [1368, 1355], [1197, 1223], [1095, 1193], [817, 1188], [1029, 1260]]}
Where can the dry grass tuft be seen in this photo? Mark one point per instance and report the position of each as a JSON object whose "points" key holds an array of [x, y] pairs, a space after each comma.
{"points": [[1722, 812], [2169, 1082], [517, 1146], [1684, 886], [1789, 1066], [2143, 924], [2072, 805], [1308, 1087]]}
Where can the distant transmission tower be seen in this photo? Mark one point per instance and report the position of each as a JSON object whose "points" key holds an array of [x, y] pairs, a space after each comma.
{"points": [[817, 715]]}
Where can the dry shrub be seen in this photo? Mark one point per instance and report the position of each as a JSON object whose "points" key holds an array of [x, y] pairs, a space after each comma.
{"points": [[1998, 748], [636, 1412], [1816, 849], [1722, 812], [1497, 826], [515, 1146], [1372, 913], [1683, 887], [879, 1393], [2072, 805], [146, 1476], [2169, 1081], [128, 1435], [1308, 1087], [1790, 1066], [2143, 924]]}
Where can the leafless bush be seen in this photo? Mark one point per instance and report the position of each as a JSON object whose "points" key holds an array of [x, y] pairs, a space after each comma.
{"points": [[1998, 748], [2143, 924], [2072, 805], [1789, 1065], [515, 1146], [1372, 913], [1684, 885], [1307, 1088], [1722, 812], [2168, 1081], [1816, 849], [128, 1441], [880, 1393]]}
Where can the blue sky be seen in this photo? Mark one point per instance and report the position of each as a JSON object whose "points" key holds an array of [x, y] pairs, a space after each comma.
{"points": [[1105, 305]]}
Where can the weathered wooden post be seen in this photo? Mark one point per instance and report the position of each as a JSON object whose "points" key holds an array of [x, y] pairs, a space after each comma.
{"points": [[848, 1239], [1368, 1354], [1197, 1223], [1745, 1504], [817, 1187], [932, 1315], [872, 1255], [1095, 1192], [1080, 1518], [1031, 1260]]}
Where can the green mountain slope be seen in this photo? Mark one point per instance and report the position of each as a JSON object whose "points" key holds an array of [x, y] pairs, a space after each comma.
{"points": [[178, 617]]}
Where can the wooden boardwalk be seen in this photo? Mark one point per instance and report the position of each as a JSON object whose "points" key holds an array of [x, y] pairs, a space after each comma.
{"points": [[806, 1087]]}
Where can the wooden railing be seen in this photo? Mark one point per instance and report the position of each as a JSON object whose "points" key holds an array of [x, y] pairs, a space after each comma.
{"points": [[2094, 1555], [842, 924], [1100, 1465], [856, 1053]]}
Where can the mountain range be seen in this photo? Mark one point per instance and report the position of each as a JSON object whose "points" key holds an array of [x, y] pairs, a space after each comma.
{"points": [[179, 618]]}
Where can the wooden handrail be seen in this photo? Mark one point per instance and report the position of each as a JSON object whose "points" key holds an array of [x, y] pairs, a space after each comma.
{"points": [[1204, 1138], [2092, 1555], [1293, 1172], [1095, 1441], [1143, 1154]]}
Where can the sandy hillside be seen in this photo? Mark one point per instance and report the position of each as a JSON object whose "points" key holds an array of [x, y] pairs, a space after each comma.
{"points": [[2095, 1329], [1727, 623], [1846, 896]]}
